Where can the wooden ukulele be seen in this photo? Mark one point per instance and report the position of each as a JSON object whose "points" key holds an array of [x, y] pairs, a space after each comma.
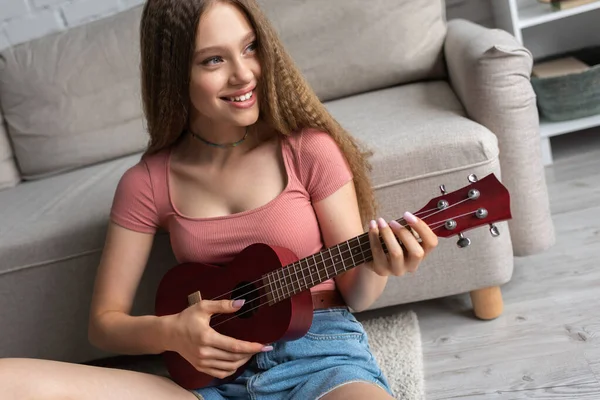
{"points": [[275, 283]]}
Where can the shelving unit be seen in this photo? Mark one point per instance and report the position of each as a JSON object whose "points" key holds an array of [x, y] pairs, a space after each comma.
{"points": [[535, 25]]}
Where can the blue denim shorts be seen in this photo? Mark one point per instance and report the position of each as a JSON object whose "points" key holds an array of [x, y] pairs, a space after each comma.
{"points": [[334, 351]]}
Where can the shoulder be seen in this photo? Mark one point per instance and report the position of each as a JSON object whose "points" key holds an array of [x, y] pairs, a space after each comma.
{"points": [[134, 203], [311, 139], [140, 176], [311, 145], [321, 164]]}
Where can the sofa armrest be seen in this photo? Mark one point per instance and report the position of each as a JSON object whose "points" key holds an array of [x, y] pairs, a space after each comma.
{"points": [[490, 73]]}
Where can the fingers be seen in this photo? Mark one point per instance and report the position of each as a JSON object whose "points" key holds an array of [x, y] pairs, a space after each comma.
{"points": [[232, 345], [379, 257], [218, 354], [414, 251], [224, 365], [429, 240], [405, 252], [220, 306], [396, 264]]}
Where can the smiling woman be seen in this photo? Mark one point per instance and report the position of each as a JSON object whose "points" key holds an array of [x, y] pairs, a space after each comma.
{"points": [[241, 151]]}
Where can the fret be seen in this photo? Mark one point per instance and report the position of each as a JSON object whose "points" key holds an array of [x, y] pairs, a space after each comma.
{"points": [[281, 282], [297, 279], [292, 279], [343, 260], [356, 250], [366, 249], [332, 263], [286, 274], [271, 288], [317, 268], [337, 258], [284, 286], [303, 276], [359, 249], [324, 265], [312, 278], [351, 256], [277, 285]]}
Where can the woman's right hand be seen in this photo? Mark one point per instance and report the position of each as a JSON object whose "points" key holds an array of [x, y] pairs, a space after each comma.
{"points": [[207, 350]]}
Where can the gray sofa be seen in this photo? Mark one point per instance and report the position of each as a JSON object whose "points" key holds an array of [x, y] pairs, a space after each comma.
{"points": [[434, 100]]}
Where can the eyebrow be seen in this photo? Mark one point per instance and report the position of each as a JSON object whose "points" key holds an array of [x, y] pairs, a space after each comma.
{"points": [[213, 48]]}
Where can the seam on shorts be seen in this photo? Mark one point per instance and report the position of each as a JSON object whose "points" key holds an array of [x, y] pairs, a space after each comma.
{"points": [[334, 336], [199, 396], [347, 382]]}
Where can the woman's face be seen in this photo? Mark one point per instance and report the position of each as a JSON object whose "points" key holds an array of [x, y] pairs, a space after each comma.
{"points": [[225, 68]]}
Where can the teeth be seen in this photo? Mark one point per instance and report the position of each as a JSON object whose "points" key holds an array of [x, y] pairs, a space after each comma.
{"points": [[241, 98]]}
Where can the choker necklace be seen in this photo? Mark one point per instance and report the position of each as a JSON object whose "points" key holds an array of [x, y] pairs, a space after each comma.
{"points": [[223, 146]]}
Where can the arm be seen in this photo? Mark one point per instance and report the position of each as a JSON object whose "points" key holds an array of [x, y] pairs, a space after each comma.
{"points": [[111, 328], [490, 73], [339, 220]]}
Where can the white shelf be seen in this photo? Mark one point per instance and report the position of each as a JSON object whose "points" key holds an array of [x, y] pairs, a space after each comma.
{"points": [[549, 128], [540, 13]]}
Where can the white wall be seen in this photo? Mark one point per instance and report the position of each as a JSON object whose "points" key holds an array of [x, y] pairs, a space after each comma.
{"points": [[23, 20]]}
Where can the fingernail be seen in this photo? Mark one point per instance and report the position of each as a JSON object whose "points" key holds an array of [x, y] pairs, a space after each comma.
{"points": [[395, 224], [382, 224], [267, 348], [408, 217], [238, 303], [373, 224]]}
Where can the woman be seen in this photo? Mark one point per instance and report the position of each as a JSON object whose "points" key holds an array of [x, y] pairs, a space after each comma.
{"points": [[241, 151]]}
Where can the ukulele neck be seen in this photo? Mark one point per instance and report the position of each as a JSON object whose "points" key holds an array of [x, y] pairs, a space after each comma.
{"points": [[308, 272]]}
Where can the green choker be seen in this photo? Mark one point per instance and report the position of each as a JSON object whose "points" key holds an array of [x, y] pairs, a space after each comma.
{"points": [[223, 146]]}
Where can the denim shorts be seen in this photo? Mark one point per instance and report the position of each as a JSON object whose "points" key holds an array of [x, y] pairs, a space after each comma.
{"points": [[335, 351]]}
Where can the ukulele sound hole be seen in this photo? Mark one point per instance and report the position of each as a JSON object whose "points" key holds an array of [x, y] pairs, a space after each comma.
{"points": [[248, 291]]}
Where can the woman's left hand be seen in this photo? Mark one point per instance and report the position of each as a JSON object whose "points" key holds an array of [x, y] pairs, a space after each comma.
{"points": [[400, 260]]}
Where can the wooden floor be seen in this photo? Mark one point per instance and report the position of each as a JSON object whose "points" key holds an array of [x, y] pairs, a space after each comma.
{"points": [[546, 345]]}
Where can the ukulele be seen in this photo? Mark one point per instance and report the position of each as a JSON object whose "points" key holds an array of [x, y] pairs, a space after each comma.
{"points": [[275, 283]]}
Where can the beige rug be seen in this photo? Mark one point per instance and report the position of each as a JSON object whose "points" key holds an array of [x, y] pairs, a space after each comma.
{"points": [[395, 342]]}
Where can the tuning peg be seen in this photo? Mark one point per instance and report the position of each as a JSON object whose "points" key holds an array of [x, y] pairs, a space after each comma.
{"points": [[463, 241], [443, 189], [494, 230], [473, 178]]}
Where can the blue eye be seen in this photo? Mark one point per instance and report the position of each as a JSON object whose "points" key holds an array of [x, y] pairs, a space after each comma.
{"points": [[252, 46], [209, 61]]}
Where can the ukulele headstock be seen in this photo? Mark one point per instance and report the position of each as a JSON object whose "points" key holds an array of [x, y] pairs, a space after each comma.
{"points": [[482, 202]]}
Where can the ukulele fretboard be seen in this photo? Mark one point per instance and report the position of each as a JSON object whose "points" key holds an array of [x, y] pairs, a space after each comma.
{"points": [[310, 271]]}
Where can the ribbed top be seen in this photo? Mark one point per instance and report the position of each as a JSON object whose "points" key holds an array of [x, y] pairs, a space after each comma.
{"points": [[315, 169]]}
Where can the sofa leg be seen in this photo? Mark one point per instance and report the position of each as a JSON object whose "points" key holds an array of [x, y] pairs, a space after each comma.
{"points": [[487, 303]]}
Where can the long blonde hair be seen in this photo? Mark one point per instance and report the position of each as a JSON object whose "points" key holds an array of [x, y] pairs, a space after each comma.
{"points": [[167, 39]]}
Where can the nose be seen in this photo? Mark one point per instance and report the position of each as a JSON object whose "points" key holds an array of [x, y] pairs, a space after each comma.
{"points": [[241, 72]]}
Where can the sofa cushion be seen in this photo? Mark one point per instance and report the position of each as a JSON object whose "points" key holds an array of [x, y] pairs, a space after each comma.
{"points": [[345, 47], [416, 130], [9, 175], [72, 99], [59, 217]]}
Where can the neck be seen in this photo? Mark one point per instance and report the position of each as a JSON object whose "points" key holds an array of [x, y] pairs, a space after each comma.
{"points": [[207, 142]]}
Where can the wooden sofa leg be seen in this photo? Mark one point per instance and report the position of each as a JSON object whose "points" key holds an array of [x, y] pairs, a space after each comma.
{"points": [[487, 303]]}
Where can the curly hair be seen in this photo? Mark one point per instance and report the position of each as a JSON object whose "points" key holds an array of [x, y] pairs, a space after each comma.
{"points": [[167, 39]]}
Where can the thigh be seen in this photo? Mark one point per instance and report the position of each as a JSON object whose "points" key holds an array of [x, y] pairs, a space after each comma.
{"points": [[357, 391], [42, 379]]}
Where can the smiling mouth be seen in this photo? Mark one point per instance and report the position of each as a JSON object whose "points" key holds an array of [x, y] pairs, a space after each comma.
{"points": [[240, 99]]}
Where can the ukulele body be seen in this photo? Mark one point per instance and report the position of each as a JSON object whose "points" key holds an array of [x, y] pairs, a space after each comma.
{"points": [[257, 321]]}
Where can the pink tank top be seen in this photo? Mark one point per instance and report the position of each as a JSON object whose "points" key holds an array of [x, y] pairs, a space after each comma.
{"points": [[315, 169]]}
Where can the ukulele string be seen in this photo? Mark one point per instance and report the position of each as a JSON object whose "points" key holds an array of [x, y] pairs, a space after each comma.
{"points": [[302, 269], [266, 294], [307, 268], [258, 280]]}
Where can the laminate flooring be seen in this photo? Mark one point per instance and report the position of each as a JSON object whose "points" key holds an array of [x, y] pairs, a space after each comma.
{"points": [[546, 344]]}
